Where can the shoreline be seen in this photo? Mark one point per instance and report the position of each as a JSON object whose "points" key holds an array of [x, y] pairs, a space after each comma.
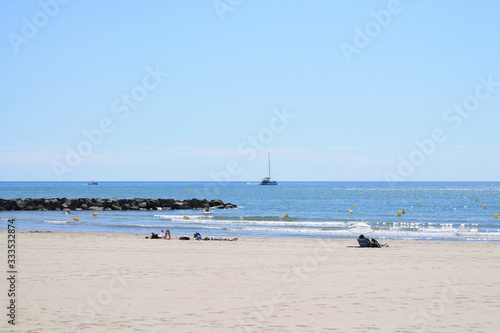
{"points": [[350, 239], [83, 282]]}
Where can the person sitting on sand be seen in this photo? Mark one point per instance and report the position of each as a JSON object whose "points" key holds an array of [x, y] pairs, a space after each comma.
{"points": [[165, 234], [363, 241]]}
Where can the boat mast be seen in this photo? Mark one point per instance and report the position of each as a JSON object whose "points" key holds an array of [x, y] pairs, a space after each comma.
{"points": [[269, 161]]}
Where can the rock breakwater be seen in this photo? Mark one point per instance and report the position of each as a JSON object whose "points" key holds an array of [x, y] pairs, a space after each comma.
{"points": [[110, 204]]}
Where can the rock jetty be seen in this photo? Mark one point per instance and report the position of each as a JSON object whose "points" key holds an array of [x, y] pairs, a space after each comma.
{"points": [[110, 204]]}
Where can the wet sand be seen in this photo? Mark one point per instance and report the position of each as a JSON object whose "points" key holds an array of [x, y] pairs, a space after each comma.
{"points": [[86, 282]]}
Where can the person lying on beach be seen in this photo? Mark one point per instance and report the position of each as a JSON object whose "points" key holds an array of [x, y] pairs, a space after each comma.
{"points": [[375, 243], [222, 239], [162, 234]]}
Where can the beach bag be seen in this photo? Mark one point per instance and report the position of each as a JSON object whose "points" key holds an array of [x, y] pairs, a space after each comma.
{"points": [[197, 236], [154, 236], [184, 238]]}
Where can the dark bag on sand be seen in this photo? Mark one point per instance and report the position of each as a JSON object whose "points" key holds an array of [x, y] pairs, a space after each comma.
{"points": [[184, 238], [154, 236]]}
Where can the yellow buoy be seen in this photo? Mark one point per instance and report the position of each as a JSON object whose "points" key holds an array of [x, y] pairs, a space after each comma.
{"points": [[75, 219], [186, 217], [476, 200], [404, 211], [286, 215], [95, 214], [353, 205], [187, 191], [418, 202], [484, 206], [350, 212], [496, 216], [399, 213]]}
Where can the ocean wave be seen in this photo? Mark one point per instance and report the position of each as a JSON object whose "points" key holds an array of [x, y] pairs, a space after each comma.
{"points": [[195, 220], [229, 218], [181, 217], [56, 222]]}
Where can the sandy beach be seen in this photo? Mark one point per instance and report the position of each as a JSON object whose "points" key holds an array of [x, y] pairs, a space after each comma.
{"points": [[87, 282]]}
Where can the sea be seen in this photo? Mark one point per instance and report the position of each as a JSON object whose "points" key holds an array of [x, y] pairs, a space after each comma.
{"points": [[444, 211]]}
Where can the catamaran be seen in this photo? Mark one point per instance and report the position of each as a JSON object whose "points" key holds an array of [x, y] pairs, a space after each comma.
{"points": [[267, 180]]}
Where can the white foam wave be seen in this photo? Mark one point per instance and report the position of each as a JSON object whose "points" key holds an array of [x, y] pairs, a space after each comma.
{"points": [[146, 225], [212, 220], [293, 230], [182, 217], [57, 222]]}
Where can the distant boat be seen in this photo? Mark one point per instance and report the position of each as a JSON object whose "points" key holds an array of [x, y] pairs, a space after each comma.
{"points": [[93, 183], [208, 210], [267, 180]]}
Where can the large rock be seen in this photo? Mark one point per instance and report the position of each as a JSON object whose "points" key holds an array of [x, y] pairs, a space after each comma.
{"points": [[215, 203], [166, 203], [195, 203], [20, 204], [153, 203], [10, 204], [180, 205]]}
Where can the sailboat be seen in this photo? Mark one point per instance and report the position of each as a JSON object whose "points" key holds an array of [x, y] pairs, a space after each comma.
{"points": [[267, 180]]}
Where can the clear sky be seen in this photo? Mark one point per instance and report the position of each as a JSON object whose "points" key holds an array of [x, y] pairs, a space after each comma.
{"points": [[203, 90]]}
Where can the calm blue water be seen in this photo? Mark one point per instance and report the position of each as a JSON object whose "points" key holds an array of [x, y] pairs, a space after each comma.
{"points": [[447, 210]]}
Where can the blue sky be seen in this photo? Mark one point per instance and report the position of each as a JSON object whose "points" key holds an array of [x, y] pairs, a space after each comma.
{"points": [[203, 90]]}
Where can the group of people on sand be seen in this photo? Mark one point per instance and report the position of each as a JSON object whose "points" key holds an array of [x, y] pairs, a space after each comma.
{"points": [[165, 234], [161, 235], [366, 242]]}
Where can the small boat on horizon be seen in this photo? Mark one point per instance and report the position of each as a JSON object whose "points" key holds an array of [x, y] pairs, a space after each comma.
{"points": [[93, 183], [208, 210], [267, 180]]}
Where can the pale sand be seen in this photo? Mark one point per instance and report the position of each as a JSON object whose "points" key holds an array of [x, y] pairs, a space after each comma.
{"points": [[86, 282]]}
